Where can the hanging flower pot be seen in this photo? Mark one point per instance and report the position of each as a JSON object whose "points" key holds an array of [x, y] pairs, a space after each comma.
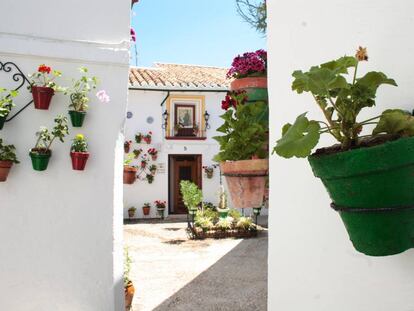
{"points": [[79, 160], [42, 96], [146, 209], [77, 117], [246, 180], [40, 161], [129, 291], [372, 189], [127, 146], [130, 174], [143, 164], [5, 167]]}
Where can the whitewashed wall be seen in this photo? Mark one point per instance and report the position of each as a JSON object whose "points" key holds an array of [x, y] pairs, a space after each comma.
{"points": [[312, 264], [61, 230]]}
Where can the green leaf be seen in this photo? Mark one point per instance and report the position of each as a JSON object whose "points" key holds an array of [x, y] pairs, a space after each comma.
{"points": [[298, 139], [374, 79], [396, 122], [341, 65]]}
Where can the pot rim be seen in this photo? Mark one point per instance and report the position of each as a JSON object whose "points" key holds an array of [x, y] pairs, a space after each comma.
{"points": [[6, 164]]}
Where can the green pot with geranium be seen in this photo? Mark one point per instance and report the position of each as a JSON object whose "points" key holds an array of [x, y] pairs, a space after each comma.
{"points": [[7, 159], [79, 152], [369, 176], [243, 155], [79, 96], [6, 104], [43, 86], [249, 72], [41, 152]]}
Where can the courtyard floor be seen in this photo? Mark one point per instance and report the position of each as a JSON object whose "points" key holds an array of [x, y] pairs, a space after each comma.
{"points": [[171, 272]]}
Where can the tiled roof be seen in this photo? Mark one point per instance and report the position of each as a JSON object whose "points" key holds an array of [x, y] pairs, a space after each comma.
{"points": [[164, 76]]}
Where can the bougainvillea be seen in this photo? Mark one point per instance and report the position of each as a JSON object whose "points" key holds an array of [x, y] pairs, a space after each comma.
{"points": [[250, 64]]}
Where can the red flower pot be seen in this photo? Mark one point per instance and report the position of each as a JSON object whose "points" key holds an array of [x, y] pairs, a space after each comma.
{"points": [[79, 160], [148, 140], [146, 210], [42, 96], [154, 157], [5, 167]]}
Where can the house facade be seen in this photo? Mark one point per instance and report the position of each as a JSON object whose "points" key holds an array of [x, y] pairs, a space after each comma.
{"points": [[181, 106]]}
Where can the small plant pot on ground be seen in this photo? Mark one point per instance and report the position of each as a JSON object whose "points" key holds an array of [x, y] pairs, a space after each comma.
{"points": [[5, 167], [79, 160], [40, 161], [161, 212], [146, 210], [131, 213], [77, 117], [372, 189], [42, 96], [246, 180], [129, 290], [130, 175], [255, 87]]}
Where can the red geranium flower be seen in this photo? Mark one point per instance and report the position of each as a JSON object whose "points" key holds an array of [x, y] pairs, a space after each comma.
{"points": [[44, 69]]}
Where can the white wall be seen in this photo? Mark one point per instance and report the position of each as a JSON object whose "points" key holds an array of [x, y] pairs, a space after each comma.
{"points": [[312, 264], [61, 230]]}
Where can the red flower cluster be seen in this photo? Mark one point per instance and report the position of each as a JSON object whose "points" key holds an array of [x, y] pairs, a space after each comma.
{"points": [[152, 151], [233, 99], [160, 204], [250, 63], [44, 69]]}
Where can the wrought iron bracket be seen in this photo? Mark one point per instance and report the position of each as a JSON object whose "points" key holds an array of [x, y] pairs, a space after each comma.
{"points": [[19, 77]]}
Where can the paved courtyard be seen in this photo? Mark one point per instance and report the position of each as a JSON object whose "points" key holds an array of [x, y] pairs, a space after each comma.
{"points": [[171, 272]]}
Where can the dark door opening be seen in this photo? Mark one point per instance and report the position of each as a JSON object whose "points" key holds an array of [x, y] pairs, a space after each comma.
{"points": [[182, 167]]}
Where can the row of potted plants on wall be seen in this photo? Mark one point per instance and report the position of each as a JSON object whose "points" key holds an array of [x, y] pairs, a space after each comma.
{"points": [[146, 208], [43, 86]]}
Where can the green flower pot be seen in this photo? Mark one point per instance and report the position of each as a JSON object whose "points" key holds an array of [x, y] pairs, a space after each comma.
{"points": [[77, 117], [257, 94], [373, 191], [223, 213], [2, 120], [39, 160]]}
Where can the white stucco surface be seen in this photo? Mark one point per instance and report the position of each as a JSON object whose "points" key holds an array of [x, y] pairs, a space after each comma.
{"points": [[312, 264], [61, 230]]}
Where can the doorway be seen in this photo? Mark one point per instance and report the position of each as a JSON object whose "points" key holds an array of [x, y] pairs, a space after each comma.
{"points": [[182, 167]]}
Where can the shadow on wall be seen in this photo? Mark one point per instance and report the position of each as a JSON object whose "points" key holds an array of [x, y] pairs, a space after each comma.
{"points": [[228, 285]]}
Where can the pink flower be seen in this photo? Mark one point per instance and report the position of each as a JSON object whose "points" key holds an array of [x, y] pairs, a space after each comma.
{"points": [[103, 97], [133, 35]]}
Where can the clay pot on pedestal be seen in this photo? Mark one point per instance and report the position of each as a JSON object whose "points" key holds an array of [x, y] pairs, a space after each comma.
{"points": [[42, 96], [79, 160], [246, 181]]}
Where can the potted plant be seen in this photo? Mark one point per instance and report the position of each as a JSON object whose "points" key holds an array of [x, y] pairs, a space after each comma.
{"points": [[148, 137], [153, 169], [222, 208], [43, 86], [7, 159], [127, 146], [249, 72], [192, 196], [79, 152], [137, 153], [153, 153], [150, 178], [243, 152], [129, 289], [41, 152], [79, 96], [131, 212], [146, 209], [209, 171], [138, 138], [368, 177], [144, 162], [160, 207], [130, 171], [6, 104]]}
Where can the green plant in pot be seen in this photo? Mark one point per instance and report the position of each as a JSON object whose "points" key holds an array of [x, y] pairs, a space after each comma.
{"points": [[41, 152], [369, 177], [146, 208], [79, 96], [7, 159], [243, 152], [131, 211], [6, 104], [192, 196], [222, 208], [79, 152]]}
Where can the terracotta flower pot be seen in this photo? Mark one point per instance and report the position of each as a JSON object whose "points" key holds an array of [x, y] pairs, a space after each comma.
{"points": [[154, 157], [129, 295], [130, 175], [79, 160], [256, 87], [5, 167], [246, 181], [42, 97], [127, 147], [146, 210], [131, 213]]}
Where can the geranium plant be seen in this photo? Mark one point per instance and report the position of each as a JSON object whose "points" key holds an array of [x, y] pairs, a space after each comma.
{"points": [[138, 138], [153, 153], [150, 178], [45, 77], [7, 159], [148, 137], [80, 89], [160, 204], [6, 104], [153, 169], [341, 100], [137, 152], [250, 64]]}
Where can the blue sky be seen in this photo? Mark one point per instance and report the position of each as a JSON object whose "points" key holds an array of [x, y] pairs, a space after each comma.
{"points": [[196, 32]]}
